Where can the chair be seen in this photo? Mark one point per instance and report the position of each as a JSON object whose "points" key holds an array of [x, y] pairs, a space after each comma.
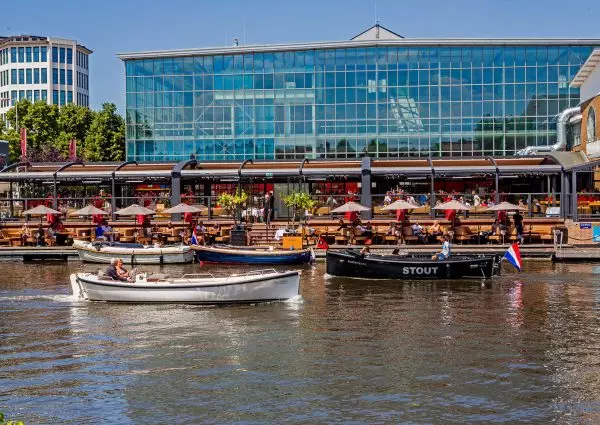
{"points": [[127, 235], [224, 235], [463, 233], [357, 238], [4, 240], [175, 236], [83, 235], [407, 235], [342, 238]]}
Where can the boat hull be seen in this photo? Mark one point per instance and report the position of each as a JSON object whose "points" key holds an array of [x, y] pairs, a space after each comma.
{"points": [[352, 264], [149, 255], [231, 290], [247, 256]]}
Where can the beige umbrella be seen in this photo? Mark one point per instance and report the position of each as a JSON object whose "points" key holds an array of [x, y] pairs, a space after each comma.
{"points": [[135, 209], [505, 206], [89, 210], [185, 208], [400, 205], [40, 210], [452, 205], [350, 207]]}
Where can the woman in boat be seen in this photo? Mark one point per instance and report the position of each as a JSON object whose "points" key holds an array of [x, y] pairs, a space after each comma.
{"points": [[444, 254], [122, 271]]}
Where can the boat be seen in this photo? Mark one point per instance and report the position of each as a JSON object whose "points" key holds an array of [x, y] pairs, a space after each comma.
{"points": [[246, 255], [205, 288], [351, 263], [132, 253]]}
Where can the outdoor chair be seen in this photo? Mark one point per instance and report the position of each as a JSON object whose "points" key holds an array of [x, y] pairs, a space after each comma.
{"points": [[407, 235]]}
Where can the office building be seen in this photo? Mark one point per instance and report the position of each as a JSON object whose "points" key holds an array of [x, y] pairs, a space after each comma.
{"points": [[54, 70], [378, 93]]}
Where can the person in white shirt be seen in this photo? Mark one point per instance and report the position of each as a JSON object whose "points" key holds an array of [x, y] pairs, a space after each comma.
{"points": [[445, 253]]}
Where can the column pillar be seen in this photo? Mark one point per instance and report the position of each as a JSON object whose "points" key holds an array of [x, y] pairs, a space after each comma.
{"points": [[574, 196], [365, 189]]}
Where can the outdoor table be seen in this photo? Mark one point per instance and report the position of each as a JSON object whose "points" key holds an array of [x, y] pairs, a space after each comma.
{"points": [[594, 205]]}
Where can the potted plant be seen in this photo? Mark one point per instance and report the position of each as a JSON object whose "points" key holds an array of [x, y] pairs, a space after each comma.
{"points": [[232, 204]]}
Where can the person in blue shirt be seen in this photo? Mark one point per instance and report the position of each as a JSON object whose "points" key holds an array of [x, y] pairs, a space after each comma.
{"points": [[445, 253]]}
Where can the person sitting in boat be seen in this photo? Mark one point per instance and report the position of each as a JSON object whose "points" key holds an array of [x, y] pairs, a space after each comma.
{"points": [[116, 271], [445, 253], [365, 250]]}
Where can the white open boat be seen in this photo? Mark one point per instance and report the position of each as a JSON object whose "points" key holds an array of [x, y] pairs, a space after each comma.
{"points": [[254, 286], [102, 252]]}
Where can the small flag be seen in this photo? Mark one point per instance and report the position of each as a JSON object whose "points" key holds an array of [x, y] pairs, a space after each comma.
{"points": [[513, 255], [194, 239], [23, 143], [321, 244], [72, 150]]}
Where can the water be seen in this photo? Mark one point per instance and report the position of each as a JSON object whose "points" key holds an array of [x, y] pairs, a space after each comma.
{"points": [[519, 349]]}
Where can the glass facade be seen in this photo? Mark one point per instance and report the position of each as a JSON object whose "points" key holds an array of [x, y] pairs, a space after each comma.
{"points": [[340, 103]]}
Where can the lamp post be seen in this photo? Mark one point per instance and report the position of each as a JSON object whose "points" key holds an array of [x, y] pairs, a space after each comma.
{"points": [[16, 105]]}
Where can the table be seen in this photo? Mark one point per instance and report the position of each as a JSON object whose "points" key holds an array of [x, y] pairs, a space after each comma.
{"points": [[62, 237]]}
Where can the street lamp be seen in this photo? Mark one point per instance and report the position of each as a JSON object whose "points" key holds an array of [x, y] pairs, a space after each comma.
{"points": [[16, 105]]}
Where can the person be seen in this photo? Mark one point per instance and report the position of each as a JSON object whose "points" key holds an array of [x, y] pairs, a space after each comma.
{"points": [[342, 224], [388, 198], [122, 271], [417, 230], [107, 231], [365, 250], [435, 230], [518, 221], [445, 252], [270, 207], [25, 234], [40, 236], [476, 199], [99, 232]]}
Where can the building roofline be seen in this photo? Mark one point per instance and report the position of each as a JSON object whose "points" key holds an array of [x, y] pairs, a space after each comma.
{"points": [[586, 69], [37, 39], [405, 42]]}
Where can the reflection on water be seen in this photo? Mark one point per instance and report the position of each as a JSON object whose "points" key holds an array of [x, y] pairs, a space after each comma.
{"points": [[520, 348]]}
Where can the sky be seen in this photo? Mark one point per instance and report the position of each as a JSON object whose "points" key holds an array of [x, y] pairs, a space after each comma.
{"points": [[109, 27]]}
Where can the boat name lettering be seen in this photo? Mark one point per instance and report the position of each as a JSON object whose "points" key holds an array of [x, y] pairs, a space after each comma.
{"points": [[420, 270], [356, 262]]}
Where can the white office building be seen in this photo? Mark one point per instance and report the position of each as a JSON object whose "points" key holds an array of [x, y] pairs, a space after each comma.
{"points": [[54, 70]]}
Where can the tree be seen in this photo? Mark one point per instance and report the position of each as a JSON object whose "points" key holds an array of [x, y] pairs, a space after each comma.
{"points": [[299, 202], [74, 122], [105, 140]]}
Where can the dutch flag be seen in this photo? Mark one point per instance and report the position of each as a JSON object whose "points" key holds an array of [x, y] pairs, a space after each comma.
{"points": [[513, 255], [194, 240]]}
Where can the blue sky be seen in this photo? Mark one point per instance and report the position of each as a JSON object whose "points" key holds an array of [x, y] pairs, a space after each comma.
{"points": [[108, 26]]}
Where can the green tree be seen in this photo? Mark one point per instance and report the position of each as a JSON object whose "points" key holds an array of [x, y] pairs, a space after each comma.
{"points": [[74, 122], [105, 140]]}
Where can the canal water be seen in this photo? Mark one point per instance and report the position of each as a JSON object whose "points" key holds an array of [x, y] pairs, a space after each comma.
{"points": [[522, 348]]}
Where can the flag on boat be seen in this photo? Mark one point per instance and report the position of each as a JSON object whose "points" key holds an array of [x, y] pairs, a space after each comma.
{"points": [[513, 255], [194, 239], [321, 244]]}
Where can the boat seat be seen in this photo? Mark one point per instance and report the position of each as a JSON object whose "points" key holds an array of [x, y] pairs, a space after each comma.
{"points": [[155, 277]]}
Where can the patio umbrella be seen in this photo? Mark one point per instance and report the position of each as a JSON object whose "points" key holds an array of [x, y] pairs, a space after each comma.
{"points": [[399, 205], [89, 210], [350, 207], [452, 205], [506, 206], [135, 209], [41, 210], [185, 208]]}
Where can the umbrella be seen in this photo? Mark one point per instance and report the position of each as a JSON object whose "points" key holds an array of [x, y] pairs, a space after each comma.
{"points": [[399, 205], [452, 205], [135, 209], [350, 207], [506, 206], [40, 210], [89, 210], [185, 208]]}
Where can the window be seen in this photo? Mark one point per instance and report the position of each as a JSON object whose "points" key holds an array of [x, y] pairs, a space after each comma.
{"points": [[63, 97], [54, 75], [55, 54], [21, 76], [69, 97], [70, 77], [21, 54], [13, 54], [62, 55], [44, 76], [36, 75], [36, 54], [36, 95], [55, 97], [13, 76], [44, 54], [591, 126], [69, 55], [29, 95], [62, 76], [28, 78], [28, 54], [44, 95], [21, 94]]}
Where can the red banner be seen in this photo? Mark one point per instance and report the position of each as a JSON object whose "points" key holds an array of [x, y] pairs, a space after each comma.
{"points": [[72, 150], [23, 143]]}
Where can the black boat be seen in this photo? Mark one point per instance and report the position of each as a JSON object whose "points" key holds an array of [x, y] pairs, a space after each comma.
{"points": [[350, 263]]}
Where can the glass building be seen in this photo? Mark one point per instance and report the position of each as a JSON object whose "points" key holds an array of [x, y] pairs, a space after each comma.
{"points": [[377, 93]]}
